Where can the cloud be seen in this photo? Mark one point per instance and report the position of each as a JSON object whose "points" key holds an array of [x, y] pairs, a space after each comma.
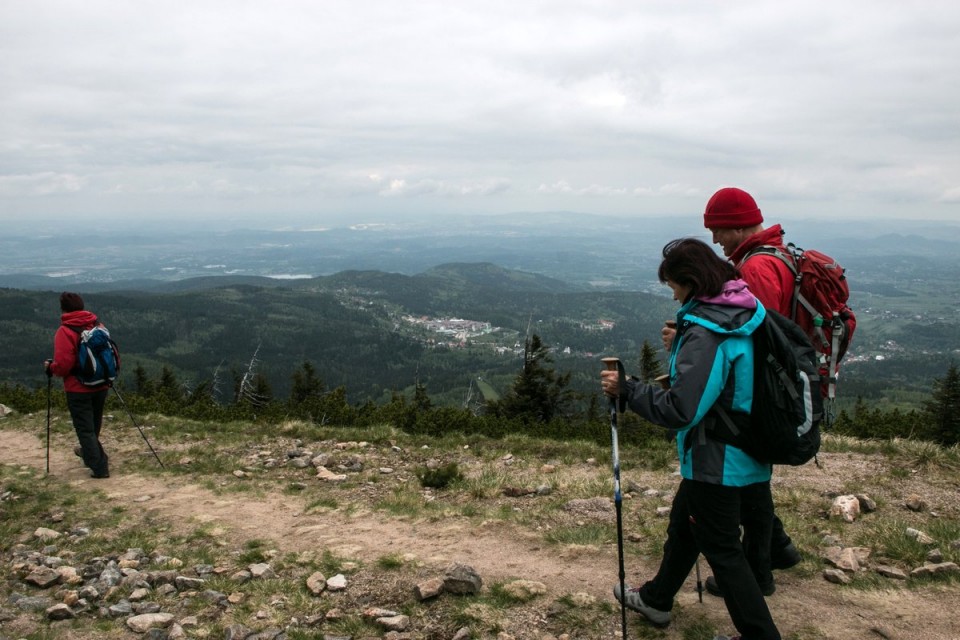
{"points": [[639, 108]]}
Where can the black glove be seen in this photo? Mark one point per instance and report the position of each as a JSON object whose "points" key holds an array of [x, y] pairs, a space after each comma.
{"points": [[46, 367]]}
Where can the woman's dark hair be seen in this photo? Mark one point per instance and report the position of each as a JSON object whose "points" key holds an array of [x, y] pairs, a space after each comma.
{"points": [[693, 263]]}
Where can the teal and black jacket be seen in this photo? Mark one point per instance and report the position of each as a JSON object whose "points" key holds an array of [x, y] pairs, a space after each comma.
{"points": [[711, 362]]}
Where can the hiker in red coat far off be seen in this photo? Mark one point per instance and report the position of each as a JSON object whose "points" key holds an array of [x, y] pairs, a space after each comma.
{"points": [[734, 219], [85, 403]]}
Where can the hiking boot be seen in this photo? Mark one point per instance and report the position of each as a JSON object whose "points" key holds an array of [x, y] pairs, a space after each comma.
{"points": [[105, 474], [633, 601], [785, 557], [714, 589], [78, 451]]}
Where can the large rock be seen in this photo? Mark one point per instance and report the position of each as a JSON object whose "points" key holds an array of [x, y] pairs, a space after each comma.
{"points": [[462, 580], [147, 621]]}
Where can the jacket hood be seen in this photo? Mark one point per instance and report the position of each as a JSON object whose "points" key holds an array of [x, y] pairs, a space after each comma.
{"points": [[81, 319], [735, 293], [734, 312]]}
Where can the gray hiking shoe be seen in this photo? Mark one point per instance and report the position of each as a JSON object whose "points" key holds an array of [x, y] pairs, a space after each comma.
{"points": [[633, 601]]}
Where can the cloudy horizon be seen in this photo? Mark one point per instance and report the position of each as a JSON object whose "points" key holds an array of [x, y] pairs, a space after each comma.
{"points": [[297, 110]]}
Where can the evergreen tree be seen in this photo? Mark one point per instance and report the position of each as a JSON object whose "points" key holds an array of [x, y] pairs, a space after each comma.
{"points": [[650, 365], [306, 384], [168, 387], [943, 409], [539, 393], [141, 381], [420, 398]]}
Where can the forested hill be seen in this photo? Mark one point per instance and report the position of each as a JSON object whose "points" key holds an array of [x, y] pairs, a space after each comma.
{"points": [[375, 332], [370, 331]]}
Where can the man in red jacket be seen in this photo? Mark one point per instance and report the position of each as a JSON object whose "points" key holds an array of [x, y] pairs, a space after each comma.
{"points": [[85, 403], [734, 219]]}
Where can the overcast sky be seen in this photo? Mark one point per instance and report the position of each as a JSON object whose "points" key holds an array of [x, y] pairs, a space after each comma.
{"points": [[293, 111]]}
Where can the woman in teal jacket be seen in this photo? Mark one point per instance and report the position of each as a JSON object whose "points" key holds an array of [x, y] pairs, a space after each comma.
{"points": [[711, 363]]}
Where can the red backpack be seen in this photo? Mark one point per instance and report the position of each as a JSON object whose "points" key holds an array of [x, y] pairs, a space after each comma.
{"points": [[819, 306]]}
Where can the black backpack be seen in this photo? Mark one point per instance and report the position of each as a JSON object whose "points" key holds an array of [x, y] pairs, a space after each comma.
{"points": [[783, 426]]}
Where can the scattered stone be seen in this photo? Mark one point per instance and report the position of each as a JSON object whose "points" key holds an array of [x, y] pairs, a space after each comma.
{"points": [[867, 504], [935, 556], [548, 468], [316, 583], [147, 621], [329, 476], [46, 534], [261, 571], [915, 503], [846, 507], [428, 589], [121, 609], [184, 583], [138, 594], [919, 536], [836, 576], [841, 558], [60, 612], [941, 568], [663, 512], [890, 572], [394, 623], [461, 579], [43, 577], [337, 582]]}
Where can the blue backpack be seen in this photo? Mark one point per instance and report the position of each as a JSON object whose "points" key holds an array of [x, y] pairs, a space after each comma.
{"points": [[98, 359]]}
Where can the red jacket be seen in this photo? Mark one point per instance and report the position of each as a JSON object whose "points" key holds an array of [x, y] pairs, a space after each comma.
{"points": [[65, 343], [768, 277]]}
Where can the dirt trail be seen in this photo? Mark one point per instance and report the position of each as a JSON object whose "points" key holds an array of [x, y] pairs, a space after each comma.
{"points": [[804, 608]]}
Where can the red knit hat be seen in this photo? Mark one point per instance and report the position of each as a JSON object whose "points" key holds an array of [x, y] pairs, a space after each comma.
{"points": [[731, 208], [70, 302]]}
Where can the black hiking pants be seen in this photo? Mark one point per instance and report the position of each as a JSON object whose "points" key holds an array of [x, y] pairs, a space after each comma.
{"points": [[705, 518], [86, 410]]}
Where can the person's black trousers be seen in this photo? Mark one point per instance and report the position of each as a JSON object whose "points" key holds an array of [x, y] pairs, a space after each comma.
{"points": [[705, 518], [86, 410]]}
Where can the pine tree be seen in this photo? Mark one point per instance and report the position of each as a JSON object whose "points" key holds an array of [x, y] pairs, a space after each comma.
{"points": [[539, 393], [650, 366], [141, 381], [943, 409], [306, 384]]}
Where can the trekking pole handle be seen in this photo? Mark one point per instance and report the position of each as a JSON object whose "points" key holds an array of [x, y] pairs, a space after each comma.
{"points": [[613, 364]]}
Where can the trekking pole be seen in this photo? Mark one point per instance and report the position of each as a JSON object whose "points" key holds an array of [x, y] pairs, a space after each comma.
{"points": [[699, 584], [613, 364], [49, 383], [133, 420]]}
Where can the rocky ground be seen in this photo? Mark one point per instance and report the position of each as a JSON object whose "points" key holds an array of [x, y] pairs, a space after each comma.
{"points": [[562, 590]]}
